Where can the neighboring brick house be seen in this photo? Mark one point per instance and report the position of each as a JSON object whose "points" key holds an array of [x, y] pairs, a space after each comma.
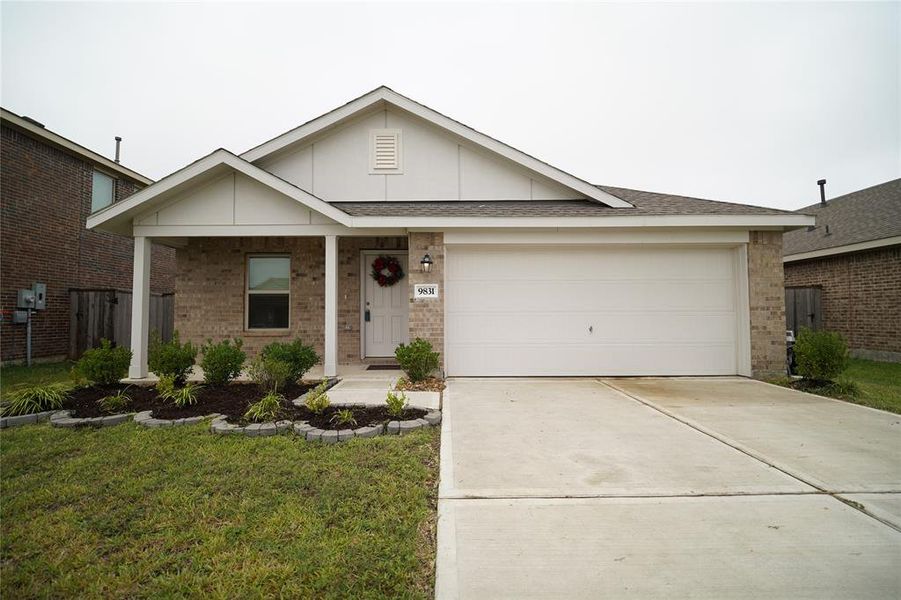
{"points": [[512, 267], [853, 257], [48, 185]]}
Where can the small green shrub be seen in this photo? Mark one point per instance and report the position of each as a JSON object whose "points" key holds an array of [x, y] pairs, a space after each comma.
{"points": [[345, 417], [300, 357], [185, 396], [222, 362], [105, 365], [165, 387], [844, 388], [114, 402], [821, 355], [265, 409], [269, 373], [317, 399], [397, 402], [171, 358], [417, 359], [33, 399]]}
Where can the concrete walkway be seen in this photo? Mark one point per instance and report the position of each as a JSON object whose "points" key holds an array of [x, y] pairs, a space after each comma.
{"points": [[647, 488]]}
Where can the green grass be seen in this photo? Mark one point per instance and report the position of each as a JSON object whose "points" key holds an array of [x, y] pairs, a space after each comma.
{"points": [[134, 512], [41, 373], [878, 385]]}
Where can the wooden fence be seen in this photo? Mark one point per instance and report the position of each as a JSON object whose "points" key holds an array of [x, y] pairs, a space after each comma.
{"points": [[803, 308], [99, 314]]}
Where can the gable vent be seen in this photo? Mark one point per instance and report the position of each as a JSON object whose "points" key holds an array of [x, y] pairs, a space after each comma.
{"points": [[385, 151]]}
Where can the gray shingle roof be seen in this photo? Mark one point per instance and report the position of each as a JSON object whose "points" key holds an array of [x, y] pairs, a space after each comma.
{"points": [[646, 204], [870, 214]]}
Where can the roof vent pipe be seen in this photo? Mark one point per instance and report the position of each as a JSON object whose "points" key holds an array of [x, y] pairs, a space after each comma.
{"points": [[119, 142], [821, 183]]}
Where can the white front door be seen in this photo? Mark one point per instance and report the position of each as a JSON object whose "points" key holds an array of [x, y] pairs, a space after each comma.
{"points": [[385, 309]]}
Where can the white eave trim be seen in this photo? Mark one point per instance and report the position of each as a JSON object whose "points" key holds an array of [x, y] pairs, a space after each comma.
{"points": [[219, 157], [889, 241], [729, 221], [384, 94], [66, 144]]}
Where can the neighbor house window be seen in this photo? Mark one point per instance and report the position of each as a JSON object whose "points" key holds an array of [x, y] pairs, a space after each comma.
{"points": [[101, 191], [268, 292]]}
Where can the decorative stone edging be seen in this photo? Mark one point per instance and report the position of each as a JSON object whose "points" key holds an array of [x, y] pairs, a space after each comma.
{"points": [[223, 427], [63, 418], [20, 420], [144, 418]]}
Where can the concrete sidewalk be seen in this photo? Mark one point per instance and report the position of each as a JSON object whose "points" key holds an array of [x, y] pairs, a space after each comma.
{"points": [[570, 488]]}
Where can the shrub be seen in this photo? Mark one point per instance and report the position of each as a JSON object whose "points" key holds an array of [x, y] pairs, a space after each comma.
{"points": [[844, 388], [165, 387], [114, 402], [34, 399], [345, 416], [300, 357], [269, 373], [317, 399], [821, 355], [171, 358], [417, 359], [185, 396], [105, 365], [266, 409], [397, 402], [222, 362]]}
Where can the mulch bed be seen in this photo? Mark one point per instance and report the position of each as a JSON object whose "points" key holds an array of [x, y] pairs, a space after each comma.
{"points": [[432, 384], [230, 400], [809, 385]]}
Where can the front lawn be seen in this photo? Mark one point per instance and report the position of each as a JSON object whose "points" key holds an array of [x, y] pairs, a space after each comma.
{"points": [[878, 385], [133, 512], [37, 374]]}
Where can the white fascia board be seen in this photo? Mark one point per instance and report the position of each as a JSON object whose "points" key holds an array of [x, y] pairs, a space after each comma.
{"points": [[186, 231], [872, 244], [734, 221], [384, 94], [133, 203], [67, 144]]}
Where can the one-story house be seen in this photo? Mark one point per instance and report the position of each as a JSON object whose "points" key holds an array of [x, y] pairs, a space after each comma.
{"points": [[849, 267], [511, 267]]}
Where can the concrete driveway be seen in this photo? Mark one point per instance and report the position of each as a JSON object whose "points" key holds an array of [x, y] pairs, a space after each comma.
{"points": [[709, 488]]}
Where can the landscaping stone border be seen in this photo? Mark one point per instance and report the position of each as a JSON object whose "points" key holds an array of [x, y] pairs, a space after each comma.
{"points": [[20, 420], [144, 418], [64, 418]]}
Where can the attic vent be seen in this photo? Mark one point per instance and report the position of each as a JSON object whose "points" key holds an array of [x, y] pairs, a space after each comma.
{"points": [[385, 151]]}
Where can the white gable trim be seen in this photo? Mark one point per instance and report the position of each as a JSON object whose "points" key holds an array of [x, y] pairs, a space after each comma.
{"points": [[135, 204], [384, 94]]}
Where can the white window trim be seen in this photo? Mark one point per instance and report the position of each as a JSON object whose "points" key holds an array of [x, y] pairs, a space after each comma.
{"points": [[248, 292], [399, 146]]}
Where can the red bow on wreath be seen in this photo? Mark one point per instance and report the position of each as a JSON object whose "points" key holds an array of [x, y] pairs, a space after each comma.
{"points": [[390, 264]]}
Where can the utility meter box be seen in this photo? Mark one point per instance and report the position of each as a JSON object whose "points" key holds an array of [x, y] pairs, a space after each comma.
{"points": [[25, 299], [40, 295]]}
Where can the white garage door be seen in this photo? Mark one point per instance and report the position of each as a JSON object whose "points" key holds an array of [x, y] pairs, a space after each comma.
{"points": [[601, 310]]}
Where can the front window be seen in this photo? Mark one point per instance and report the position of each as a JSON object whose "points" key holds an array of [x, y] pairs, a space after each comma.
{"points": [[101, 191], [268, 292]]}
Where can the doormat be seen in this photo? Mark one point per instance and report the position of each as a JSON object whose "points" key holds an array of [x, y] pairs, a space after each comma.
{"points": [[383, 368]]}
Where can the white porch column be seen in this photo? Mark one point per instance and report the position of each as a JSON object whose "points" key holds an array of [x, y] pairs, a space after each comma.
{"points": [[140, 308], [330, 361]]}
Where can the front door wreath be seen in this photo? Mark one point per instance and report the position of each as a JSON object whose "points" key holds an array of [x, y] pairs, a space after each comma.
{"points": [[386, 270]]}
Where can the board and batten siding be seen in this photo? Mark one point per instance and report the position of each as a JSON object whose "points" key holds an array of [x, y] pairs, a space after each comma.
{"points": [[435, 165]]}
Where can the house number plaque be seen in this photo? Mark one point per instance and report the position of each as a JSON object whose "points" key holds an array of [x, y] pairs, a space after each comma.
{"points": [[425, 290]]}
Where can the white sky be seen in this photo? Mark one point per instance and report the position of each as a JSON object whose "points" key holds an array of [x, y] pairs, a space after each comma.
{"points": [[741, 102]]}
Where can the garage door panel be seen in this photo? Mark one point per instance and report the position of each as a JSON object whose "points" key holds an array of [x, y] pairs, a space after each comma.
{"points": [[526, 310], [591, 295]]}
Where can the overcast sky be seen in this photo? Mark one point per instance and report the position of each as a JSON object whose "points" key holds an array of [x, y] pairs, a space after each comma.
{"points": [[741, 102]]}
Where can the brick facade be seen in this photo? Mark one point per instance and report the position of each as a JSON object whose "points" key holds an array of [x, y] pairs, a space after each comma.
{"points": [[209, 299], [46, 199], [427, 316], [766, 298], [861, 296]]}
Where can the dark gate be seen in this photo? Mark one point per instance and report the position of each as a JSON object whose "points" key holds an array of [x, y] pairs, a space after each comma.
{"points": [[803, 308], [106, 314]]}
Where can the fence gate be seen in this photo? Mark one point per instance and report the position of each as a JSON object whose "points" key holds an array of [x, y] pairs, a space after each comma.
{"points": [[106, 314], [803, 308]]}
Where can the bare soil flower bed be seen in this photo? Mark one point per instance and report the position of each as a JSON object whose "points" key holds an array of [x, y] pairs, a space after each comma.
{"points": [[431, 384], [231, 400], [370, 415]]}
